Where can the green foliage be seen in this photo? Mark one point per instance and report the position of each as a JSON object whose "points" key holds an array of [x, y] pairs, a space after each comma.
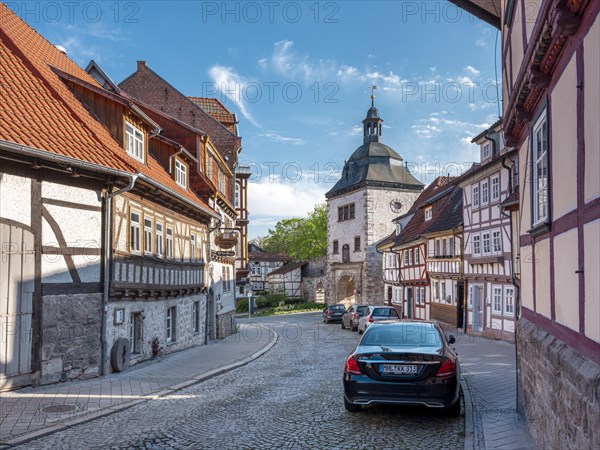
{"points": [[301, 239], [287, 309], [269, 300], [242, 306]]}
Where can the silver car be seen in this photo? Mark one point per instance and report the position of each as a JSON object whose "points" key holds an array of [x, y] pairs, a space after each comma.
{"points": [[375, 313], [350, 319]]}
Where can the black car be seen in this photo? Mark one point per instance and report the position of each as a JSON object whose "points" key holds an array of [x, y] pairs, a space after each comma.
{"points": [[405, 363], [333, 312]]}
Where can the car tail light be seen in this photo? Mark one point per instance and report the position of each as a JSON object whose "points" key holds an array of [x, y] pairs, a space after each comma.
{"points": [[447, 369], [371, 320], [356, 315], [352, 366]]}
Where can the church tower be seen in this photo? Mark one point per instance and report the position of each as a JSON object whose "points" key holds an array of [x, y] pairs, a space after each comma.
{"points": [[375, 188]]}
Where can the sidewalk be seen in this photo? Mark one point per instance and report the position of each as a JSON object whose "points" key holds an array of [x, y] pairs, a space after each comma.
{"points": [[490, 391], [29, 413]]}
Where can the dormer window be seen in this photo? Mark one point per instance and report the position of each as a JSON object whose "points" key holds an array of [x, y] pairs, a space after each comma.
{"points": [[181, 173], [428, 213], [134, 141], [486, 150]]}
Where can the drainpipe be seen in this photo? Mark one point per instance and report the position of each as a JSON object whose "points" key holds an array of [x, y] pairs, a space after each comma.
{"points": [[106, 265]]}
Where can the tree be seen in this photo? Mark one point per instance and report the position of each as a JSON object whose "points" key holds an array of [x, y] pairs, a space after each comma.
{"points": [[301, 239]]}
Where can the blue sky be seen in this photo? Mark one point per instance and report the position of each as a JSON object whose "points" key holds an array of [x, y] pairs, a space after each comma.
{"points": [[298, 74]]}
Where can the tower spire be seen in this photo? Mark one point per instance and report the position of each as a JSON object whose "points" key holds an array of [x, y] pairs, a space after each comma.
{"points": [[372, 123], [373, 95]]}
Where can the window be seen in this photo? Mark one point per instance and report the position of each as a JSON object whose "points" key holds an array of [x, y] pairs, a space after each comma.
{"points": [[237, 195], [443, 247], [160, 247], [209, 168], [486, 243], [410, 256], [451, 246], [180, 173], [443, 297], [420, 293], [428, 213], [357, 243], [136, 332], [134, 141], [196, 317], [509, 300], [417, 258], [540, 170], [171, 317], [148, 222], [436, 290], [134, 231], [224, 278], [476, 245], [346, 253], [497, 242], [406, 257], [437, 247], [169, 242], [486, 150], [222, 181], [497, 299], [484, 192], [193, 247], [475, 192], [515, 171], [346, 212], [495, 188], [336, 247]]}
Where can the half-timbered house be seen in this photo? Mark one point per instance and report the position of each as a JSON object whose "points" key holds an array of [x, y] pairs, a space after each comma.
{"points": [[551, 100], [287, 280], [102, 236], [487, 264], [261, 264]]}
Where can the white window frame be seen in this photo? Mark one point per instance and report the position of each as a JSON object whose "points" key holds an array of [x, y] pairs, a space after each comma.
{"points": [[540, 193], [134, 142], [417, 257], [476, 245], [475, 195], [148, 235], [497, 299], [509, 300], [428, 213], [160, 242], [193, 247], [488, 251], [436, 291], [406, 257], [170, 241], [170, 326], [486, 151], [485, 192], [451, 246], [496, 239], [237, 195], [495, 182], [135, 232], [443, 291], [181, 173]]}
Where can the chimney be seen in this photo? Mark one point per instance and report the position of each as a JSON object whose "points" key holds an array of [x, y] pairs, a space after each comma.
{"points": [[141, 65]]}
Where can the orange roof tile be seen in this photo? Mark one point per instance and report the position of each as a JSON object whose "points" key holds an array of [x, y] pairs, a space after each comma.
{"points": [[216, 109], [38, 110]]}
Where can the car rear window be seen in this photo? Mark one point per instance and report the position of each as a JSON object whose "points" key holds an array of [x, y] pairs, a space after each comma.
{"points": [[381, 312], [337, 307], [360, 309], [408, 335]]}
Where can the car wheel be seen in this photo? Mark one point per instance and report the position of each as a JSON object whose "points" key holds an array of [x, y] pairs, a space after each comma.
{"points": [[360, 331], [351, 407], [343, 326], [454, 410], [352, 327]]}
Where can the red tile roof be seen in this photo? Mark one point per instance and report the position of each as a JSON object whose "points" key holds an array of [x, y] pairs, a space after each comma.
{"points": [[216, 109], [38, 110]]}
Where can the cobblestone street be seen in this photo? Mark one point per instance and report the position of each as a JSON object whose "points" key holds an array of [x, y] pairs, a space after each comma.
{"points": [[289, 398]]}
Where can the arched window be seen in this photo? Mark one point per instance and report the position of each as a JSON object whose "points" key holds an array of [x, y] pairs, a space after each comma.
{"points": [[346, 253]]}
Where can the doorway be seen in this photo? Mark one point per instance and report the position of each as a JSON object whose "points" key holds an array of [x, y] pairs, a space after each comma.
{"points": [[409, 302], [460, 304]]}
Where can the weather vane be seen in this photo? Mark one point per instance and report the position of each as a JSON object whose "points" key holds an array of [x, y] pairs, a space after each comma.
{"points": [[373, 95]]}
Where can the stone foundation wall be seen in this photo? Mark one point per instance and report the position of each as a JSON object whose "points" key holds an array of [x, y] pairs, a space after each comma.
{"points": [[71, 344], [154, 313], [559, 391], [226, 324]]}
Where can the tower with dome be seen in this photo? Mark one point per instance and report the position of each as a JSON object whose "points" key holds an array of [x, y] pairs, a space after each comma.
{"points": [[375, 188]]}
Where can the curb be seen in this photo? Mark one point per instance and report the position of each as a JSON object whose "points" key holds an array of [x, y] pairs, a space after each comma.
{"points": [[27, 437], [469, 415]]}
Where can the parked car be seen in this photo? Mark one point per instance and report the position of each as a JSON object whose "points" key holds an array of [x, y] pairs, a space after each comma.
{"points": [[350, 319], [333, 312], [406, 363], [374, 314]]}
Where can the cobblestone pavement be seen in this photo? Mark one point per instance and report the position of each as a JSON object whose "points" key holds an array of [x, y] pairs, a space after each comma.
{"points": [[291, 397]]}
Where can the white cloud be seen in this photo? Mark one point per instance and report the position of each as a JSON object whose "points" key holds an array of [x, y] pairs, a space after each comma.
{"points": [[356, 130], [279, 138], [472, 70], [231, 84], [286, 61]]}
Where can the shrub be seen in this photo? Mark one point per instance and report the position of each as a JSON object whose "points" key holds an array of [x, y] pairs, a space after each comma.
{"points": [[242, 306]]}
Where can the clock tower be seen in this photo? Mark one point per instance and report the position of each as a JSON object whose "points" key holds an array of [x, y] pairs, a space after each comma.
{"points": [[375, 188]]}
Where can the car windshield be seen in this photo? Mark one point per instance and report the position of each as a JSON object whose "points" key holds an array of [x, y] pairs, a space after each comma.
{"points": [[409, 335], [337, 307], [381, 312]]}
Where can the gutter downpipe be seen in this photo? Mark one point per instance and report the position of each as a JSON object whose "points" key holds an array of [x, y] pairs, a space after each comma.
{"points": [[106, 263]]}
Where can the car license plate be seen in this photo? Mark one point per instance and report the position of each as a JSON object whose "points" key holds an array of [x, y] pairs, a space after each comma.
{"points": [[399, 369]]}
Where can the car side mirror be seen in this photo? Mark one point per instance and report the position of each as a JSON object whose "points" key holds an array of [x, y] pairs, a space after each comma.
{"points": [[451, 339]]}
